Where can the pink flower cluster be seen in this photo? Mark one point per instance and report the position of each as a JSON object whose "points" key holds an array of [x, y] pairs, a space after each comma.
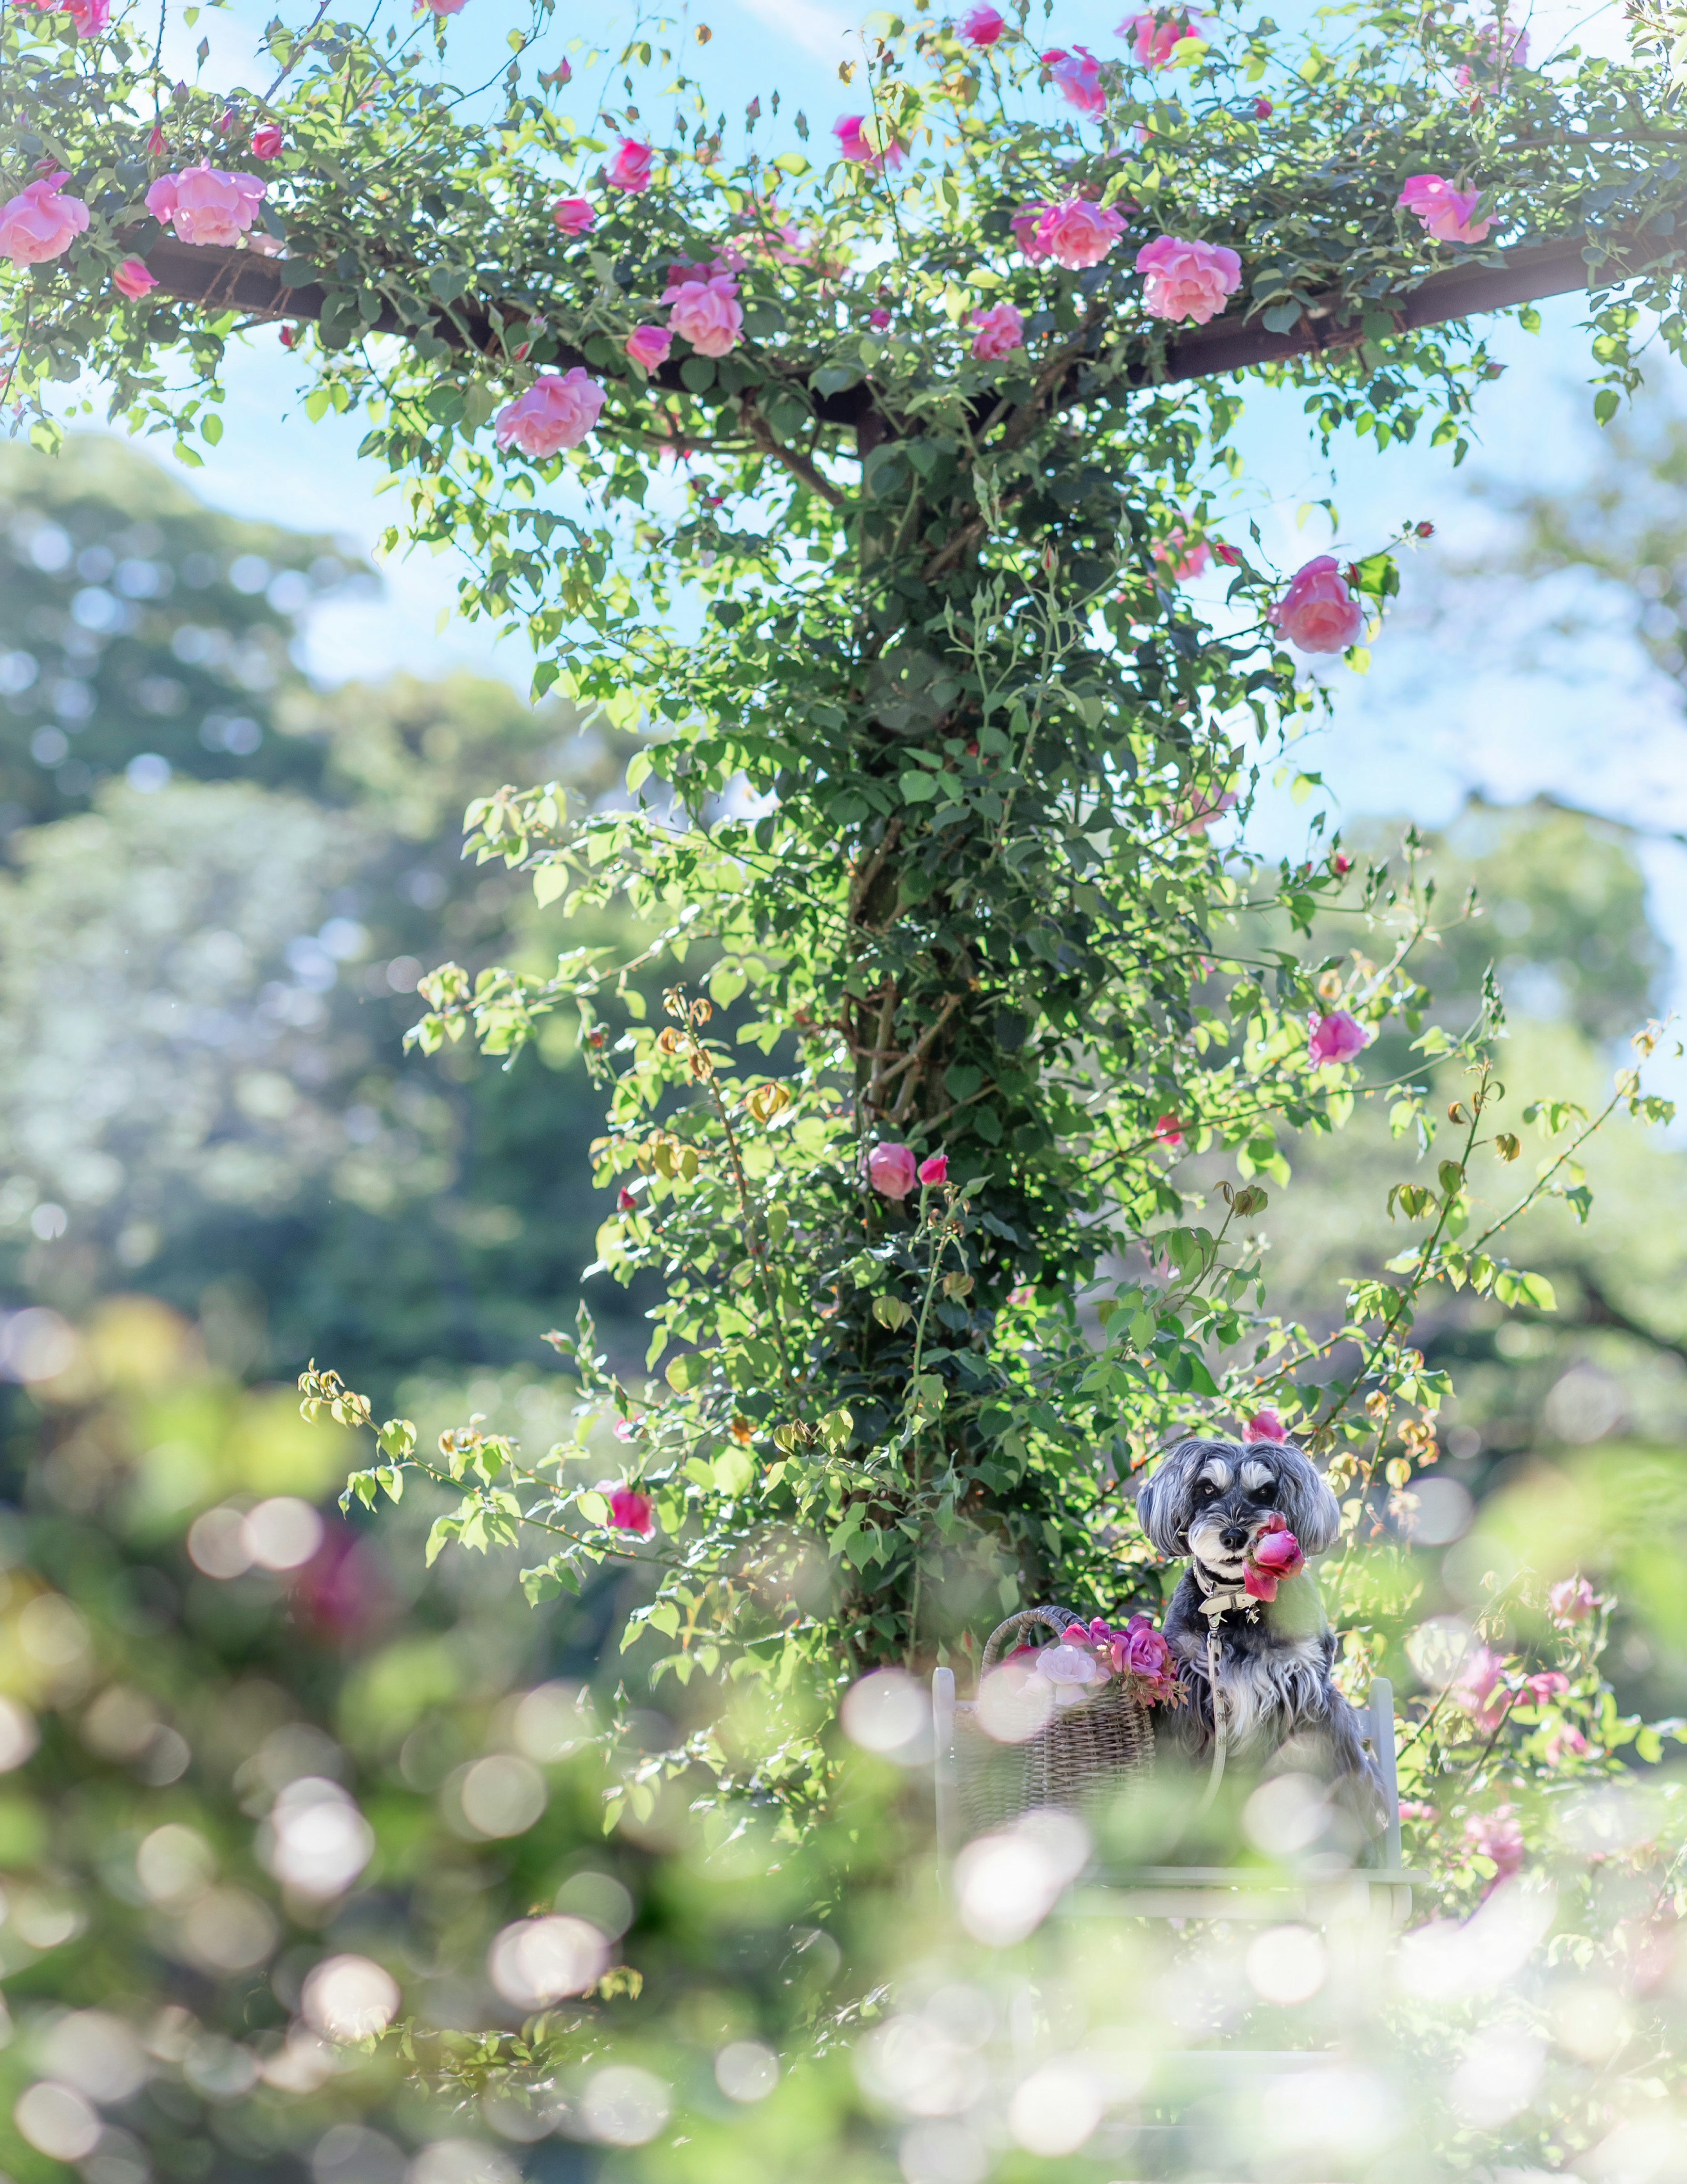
{"points": [[1153, 39], [1139, 1655], [1497, 1836], [1571, 1601], [1446, 213], [1183, 280], [203, 205], [1000, 332], [855, 145], [558, 411], [1075, 233], [1078, 77], [893, 1171], [705, 309], [41, 222], [1337, 1037], [630, 1510], [1318, 613], [1274, 1557]]}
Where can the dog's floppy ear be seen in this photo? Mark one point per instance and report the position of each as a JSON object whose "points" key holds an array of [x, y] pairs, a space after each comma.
{"points": [[1164, 1504], [1305, 1498]]}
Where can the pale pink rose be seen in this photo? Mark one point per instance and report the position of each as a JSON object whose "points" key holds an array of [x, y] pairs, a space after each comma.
{"points": [[133, 280], [853, 146], [1168, 1131], [1187, 280], [557, 411], [1445, 211], [650, 346], [1318, 613], [39, 223], [203, 205], [892, 1170], [1180, 560], [983, 27], [1071, 1669], [633, 166], [1497, 1837], [1078, 77], [1274, 1557], [1077, 233], [707, 314], [934, 1170], [630, 1510], [1265, 1425], [1153, 38], [267, 141], [1001, 330], [573, 215], [1024, 225], [1337, 1037], [1572, 1600]]}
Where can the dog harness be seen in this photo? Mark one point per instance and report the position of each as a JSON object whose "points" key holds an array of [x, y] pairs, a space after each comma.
{"points": [[1217, 1602]]}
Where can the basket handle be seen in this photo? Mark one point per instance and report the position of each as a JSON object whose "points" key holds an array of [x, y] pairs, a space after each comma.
{"points": [[1057, 1619]]}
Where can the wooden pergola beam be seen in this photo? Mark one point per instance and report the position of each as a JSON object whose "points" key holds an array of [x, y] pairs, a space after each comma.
{"points": [[247, 282]]}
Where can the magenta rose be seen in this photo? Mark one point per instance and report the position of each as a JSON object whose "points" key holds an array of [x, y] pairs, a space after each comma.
{"points": [[649, 346], [983, 27], [1572, 1600], [1078, 77], [40, 222], [1077, 233], [1183, 280], [1001, 330], [707, 313], [892, 1170], [1274, 1555], [268, 141], [1318, 613], [1168, 1131], [630, 1510], [557, 411], [1338, 1038], [1265, 1425], [203, 205], [854, 145], [631, 171], [934, 1170], [1445, 211], [1153, 39], [89, 16], [573, 215], [133, 280]]}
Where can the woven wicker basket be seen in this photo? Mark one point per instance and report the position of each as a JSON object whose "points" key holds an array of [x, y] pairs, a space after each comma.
{"points": [[1083, 1755]]}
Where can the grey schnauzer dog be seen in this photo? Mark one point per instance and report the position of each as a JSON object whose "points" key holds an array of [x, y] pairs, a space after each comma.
{"points": [[1211, 1500]]}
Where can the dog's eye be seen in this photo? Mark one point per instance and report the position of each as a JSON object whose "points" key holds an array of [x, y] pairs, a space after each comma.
{"points": [[1263, 1494]]}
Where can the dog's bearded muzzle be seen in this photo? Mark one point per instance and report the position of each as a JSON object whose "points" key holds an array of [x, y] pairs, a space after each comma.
{"points": [[1222, 1543]]}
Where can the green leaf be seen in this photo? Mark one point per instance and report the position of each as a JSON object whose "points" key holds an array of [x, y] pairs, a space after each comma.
{"points": [[689, 1371]]}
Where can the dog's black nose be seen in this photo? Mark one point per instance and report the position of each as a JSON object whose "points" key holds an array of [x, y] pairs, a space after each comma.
{"points": [[1234, 1537]]}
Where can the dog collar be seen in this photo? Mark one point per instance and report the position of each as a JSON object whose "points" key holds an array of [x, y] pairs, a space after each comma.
{"points": [[1219, 1600]]}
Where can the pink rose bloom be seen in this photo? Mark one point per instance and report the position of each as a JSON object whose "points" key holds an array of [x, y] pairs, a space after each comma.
{"points": [[1077, 233], [1181, 560], [39, 223], [437, 7], [625, 1201], [1276, 1555], [983, 27], [133, 280], [630, 1510], [707, 313], [626, 1429], [1499, 1836], [1338, 1038], [1572, 1600], [1139, 1651], [1546, 1686], [1078, 76], [934, 1170], [1265, 1425], [1564, 1743], [1022, 1294], [892, 1170], [1318, 613], [1198, 812], [556, 412], [267, 141], [573, 215], [1153, 38], [1445, 211], [1168, 1131], [203, 205], [1024, 225], [1001, 330], [853, 145], [1187, 280], [878, 318], [649, 345], [633, 163], [89, 16], [1479, 1690]]}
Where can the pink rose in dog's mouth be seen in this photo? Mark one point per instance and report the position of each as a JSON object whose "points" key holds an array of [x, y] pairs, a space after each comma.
{"points": [[1274, 1555]]}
